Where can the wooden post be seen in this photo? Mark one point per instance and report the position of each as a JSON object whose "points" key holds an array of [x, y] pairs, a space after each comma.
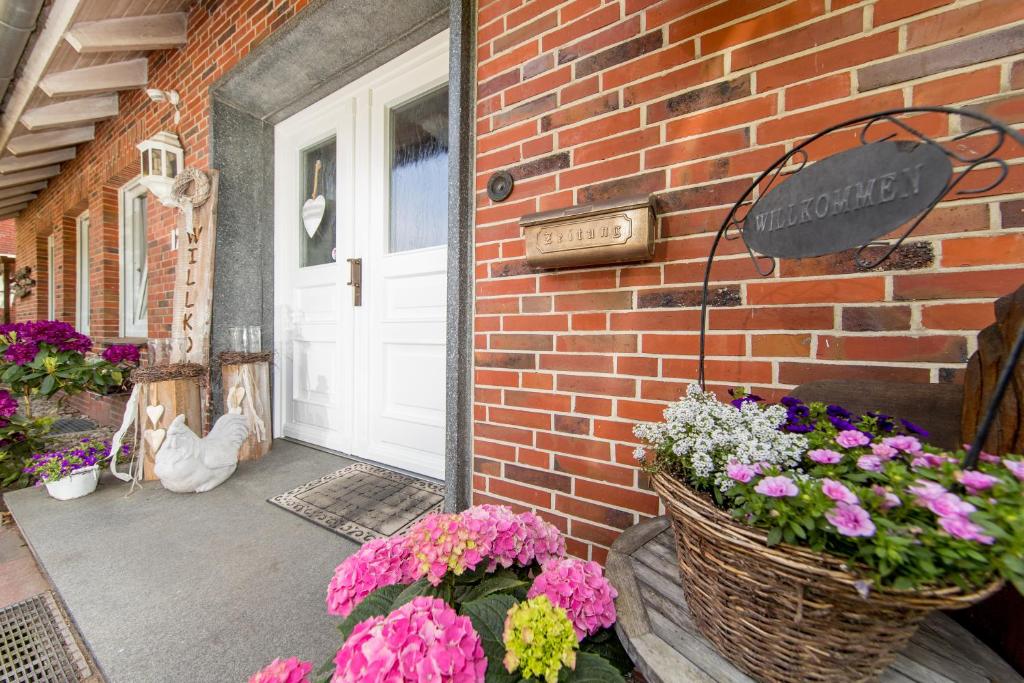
{"points": [[254, 402], [159, 404]]}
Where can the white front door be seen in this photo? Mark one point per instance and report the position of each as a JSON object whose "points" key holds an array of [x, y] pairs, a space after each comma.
{"points": [[361, 184]]}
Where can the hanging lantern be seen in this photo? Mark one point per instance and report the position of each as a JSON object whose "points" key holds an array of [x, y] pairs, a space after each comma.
{"points": [[162, 159]]}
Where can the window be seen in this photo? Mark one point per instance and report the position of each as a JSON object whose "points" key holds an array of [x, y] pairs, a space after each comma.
{"points": [[419, 173], [134, 267], [318, 223], [51, 277], [82, 273]]}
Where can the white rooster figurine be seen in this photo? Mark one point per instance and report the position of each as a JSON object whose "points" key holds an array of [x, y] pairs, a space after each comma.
{"points": [[187, 464]]}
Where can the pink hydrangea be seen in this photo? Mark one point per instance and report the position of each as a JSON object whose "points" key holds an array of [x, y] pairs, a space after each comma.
{"points": [[869, 463], [851, 520], [777, 487], [838, 492], [907, 444], [442, 542], [889, 499], [292, 670], [825, 456], [975, 481], [737, 471], [1016, 467], [883, 451], [381, 562], [507, 538], [580, 588], [950, 505], [961, 527], [423, 640], [851, 438]]}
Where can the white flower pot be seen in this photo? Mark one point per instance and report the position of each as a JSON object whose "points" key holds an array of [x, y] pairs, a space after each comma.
{"points": [[80, 482]]}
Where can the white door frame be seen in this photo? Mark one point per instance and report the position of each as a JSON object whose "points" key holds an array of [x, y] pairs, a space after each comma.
{"points": [[130, 323], [361, 199], [82, 272]]}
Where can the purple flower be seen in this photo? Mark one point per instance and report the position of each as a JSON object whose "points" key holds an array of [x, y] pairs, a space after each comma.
{"points": [[838, 492], [889, 499], [975, 481], [740, 472], [907, 444], [742, 398], [883, 451], [777, 487], [870, 463], [959, 526], [851, 438], [797, 427], [790, 401], [825, 456], [851, 520], [1015, 466], [950, 505], [841, 424], [120, 353], [8, 406], [927, 490], [913, 428], [838, 411], [21, 353]]}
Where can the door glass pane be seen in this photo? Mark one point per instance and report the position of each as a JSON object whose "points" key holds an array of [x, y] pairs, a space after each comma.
{"points": [[419, 173], [317, 208]]}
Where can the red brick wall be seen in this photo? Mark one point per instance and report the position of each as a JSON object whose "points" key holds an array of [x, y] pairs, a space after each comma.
{"points": [[587, 100], [221, 32], [7, 236]]}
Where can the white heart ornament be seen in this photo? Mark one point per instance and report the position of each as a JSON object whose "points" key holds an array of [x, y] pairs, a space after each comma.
{"points": [[155, 413], [155, 438], [235, 397], [313, 213]]}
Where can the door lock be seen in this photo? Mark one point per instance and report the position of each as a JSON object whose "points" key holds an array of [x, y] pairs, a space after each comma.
{"points": [[355, 280]]}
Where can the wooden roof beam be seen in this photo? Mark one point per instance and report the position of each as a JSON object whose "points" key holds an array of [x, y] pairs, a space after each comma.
{"points": [[91, 80], [70, 113], [12, 211], [53, 139], [130, 34], [13, 202], [25, 177], [15, 164], [22, 189]]}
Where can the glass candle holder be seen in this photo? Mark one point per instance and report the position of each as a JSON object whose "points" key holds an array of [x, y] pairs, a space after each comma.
{"points": [[236, 339], [253, 339]]}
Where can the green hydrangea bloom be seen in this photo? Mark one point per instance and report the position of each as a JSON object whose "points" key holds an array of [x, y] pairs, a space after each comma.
{"points": [[539, 639]]}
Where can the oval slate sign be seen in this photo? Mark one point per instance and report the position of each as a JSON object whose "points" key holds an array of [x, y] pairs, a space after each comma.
{"points": [[848, 199]]}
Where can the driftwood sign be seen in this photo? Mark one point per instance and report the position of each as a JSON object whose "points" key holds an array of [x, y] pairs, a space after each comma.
{"points": [[193, 288]]}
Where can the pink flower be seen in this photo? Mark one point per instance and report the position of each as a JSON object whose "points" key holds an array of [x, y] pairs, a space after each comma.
{"points": [[777, 487], [950, 505], [851, 520], [291, 670], [883, 451], [506, 538], [975, 481], [825, 456], [837, 491], [739, 472], [984, 457], [851, 438], [581, 589], [1015, 466], [423, 640], [959, 526], [869, 463], [381, 562], [889, 499], [920, 461], [761, 467], [926, 490], [907, 444]]}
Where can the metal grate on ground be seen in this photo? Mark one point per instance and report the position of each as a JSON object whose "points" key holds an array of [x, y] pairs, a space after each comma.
{"points": [[36, 645], [71, 425]]}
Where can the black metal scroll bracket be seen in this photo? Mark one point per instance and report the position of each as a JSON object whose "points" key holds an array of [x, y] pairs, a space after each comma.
{"points": [[968, 163]]}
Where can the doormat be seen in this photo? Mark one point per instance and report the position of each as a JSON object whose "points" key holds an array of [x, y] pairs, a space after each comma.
{"points": [[362, 502], [36, 644]]}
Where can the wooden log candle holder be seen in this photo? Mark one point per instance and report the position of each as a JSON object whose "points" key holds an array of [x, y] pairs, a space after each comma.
{"points": [[245, 380], [166, 392]]}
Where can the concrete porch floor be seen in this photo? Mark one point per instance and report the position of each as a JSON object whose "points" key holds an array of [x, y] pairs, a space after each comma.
{"points": [[206, 587]]}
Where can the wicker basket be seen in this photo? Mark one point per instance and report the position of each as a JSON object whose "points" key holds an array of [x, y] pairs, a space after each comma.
{"points": [[786, 613]]}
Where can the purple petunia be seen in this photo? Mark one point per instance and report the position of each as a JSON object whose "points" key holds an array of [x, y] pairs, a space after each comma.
{"points": [[825, 456], [777, 487], [838, 492], [851, 520], [1016, 467], [959, 526], [851, 438], [869, 463], [737, 471], [975, 481]]}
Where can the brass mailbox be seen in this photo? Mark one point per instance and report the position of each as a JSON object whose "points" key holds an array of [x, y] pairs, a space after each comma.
{"points": [[609, 232]]}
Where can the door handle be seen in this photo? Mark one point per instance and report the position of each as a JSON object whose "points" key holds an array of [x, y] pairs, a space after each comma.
{"points": [[355, 280]]}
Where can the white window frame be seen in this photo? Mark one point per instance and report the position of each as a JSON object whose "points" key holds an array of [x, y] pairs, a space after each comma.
{"points": [[51, 277], [131, 325], [82, 299]]}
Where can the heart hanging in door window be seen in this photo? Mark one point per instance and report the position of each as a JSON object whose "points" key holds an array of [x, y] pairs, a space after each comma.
{"points": [[314, 207]]}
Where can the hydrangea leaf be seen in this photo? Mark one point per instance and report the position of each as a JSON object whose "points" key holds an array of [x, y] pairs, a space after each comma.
{"points": [[606, 644], [376, 604], [499, 583], [591, 668], [488, 617]]}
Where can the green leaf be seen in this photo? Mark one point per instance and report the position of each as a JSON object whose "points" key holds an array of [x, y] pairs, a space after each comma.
{"points": [[413, 590], [499, 583], [488, 617], [376, 604], [48, 386], [9, 373], [592, 669], [774, 536], [605, 644]]}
